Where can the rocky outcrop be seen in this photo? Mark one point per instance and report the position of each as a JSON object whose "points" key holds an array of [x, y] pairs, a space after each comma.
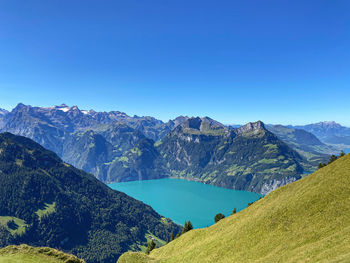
{"points": [[251, 127], [275, 183]]}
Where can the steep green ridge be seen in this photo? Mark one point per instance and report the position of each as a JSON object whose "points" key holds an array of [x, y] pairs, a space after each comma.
{"points": [[28, 254], [305, 221], [141, 162], [46, 202]]}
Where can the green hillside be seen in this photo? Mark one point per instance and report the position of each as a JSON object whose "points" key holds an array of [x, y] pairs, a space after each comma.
{"points": [[305, 221], [27, 254], [46, 202]]}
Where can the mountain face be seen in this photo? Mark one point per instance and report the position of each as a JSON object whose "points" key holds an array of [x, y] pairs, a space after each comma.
{"points": [[46, 202], [142, 162], [305, 221], [72, 119], [305, 143], [248, 158], [328, 131], [87, 139]]}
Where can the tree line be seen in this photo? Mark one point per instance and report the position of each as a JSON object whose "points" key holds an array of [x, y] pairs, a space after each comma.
{"points": [[331, 159]]}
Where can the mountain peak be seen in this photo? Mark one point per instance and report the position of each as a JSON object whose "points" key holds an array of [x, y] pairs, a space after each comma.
{"points": [[75, 108], [203, 125], [251, 126], [20, 106], [328, 124]]}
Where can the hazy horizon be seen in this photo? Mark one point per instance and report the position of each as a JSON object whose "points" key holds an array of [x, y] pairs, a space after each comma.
{"points": [[165, 120]]}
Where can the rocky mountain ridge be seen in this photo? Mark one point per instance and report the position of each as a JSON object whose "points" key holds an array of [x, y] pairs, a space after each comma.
{"points": [[116, 147]]}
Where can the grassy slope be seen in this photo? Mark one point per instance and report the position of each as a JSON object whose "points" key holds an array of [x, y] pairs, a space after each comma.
{"points": [[46, 209], [27, 254], [306, 221], [21, 225]]}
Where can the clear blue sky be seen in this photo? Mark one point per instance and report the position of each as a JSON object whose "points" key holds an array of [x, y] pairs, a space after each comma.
{"points": [[235, 61]]}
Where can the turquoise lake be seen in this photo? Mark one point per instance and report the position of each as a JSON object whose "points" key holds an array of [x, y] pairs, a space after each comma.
{"points": [[182, 200], [347, 150]]}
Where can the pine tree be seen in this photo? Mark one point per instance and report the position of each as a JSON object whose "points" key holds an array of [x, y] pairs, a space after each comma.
{"points": [[184, 229], [218, 217], [342, 154], [151, 245], [189, 225], [234, 211], [332, 159], [172, 236]]}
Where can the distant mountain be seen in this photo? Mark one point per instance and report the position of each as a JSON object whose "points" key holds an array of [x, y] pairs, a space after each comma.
{"points": [[307, 144], [235, 126], [89, 140], [248, 158], [328, 131], [305, 221], [46, 202], [72, 119]]}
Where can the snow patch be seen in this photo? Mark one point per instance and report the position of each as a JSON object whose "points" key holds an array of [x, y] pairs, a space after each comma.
{"points": [[64, 109]]}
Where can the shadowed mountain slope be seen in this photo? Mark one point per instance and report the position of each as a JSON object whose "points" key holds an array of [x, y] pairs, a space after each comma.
{"points": [[46, 202]]}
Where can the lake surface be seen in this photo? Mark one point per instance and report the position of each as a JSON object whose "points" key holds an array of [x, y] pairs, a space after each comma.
{"points": [[347, 150], [182, 200]]}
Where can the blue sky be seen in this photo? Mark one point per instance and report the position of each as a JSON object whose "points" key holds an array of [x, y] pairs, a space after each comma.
{"points": [[235, 61]]}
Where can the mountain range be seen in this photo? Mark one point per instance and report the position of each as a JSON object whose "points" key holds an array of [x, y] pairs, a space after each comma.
{"points": [[47, 202], [116, 147], [328, 132]]}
